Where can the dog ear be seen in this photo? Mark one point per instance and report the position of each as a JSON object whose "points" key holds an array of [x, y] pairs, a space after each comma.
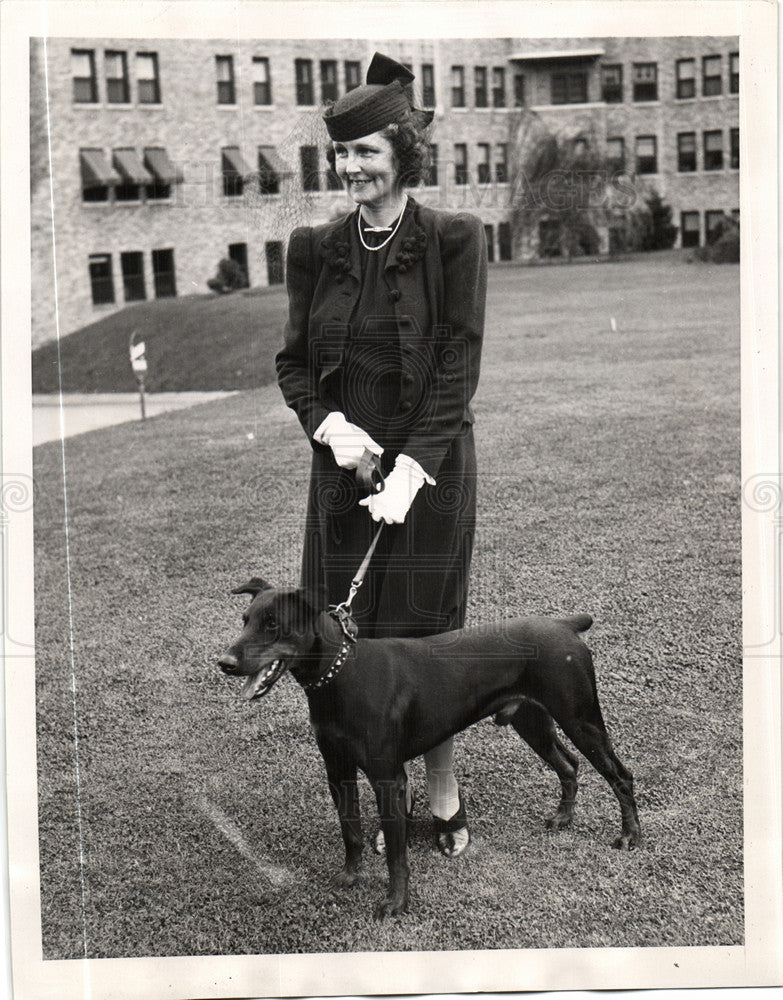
{"points": [[253, 586], [314, 598]]}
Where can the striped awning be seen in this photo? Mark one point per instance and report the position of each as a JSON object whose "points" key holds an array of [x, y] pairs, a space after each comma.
{"points": [[269, 156], [96, 172], [130, 167], [236, 164], [158, 163]]}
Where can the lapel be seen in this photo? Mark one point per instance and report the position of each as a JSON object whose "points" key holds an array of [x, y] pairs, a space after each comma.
{"points": [[340, 250]]}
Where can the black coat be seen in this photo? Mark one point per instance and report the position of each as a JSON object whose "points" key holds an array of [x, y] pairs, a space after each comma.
{"points": [[435, 279]]}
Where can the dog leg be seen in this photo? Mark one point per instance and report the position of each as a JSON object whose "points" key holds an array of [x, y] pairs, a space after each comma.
{"points": [[589, 736], [390, 796], [537, 728], [345, 795]]}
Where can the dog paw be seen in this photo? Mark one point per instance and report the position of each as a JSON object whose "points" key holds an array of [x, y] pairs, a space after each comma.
{"points": [[558, 822], [346, 878], [626, 841], [392, 906]]}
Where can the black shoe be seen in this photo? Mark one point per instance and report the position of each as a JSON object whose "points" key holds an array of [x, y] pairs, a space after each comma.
{"points": [[446, 828]]}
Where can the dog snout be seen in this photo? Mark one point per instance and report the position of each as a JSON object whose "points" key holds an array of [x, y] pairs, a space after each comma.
{"points": [[228, 663]]}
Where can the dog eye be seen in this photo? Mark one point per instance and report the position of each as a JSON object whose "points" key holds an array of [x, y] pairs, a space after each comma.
{"points": [[270, 623]]}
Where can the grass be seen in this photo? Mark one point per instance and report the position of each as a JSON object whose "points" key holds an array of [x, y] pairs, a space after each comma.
{"points": [[609, 484], [198, 342]]}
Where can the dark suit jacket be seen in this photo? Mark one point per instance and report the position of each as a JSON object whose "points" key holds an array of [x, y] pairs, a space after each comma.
{"points": [[436, 283]]}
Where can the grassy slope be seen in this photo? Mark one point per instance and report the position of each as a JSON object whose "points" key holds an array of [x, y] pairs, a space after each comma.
{"points": [[610, 484], [199, 342]]}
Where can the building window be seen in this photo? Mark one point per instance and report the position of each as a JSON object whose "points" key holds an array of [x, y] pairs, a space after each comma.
{"points": [[101, 281], [646, 154], [504, 240], [96, 175], [498, 87], [734, 151], [612, 84], [689, 229], [735, 214], [303, 69], [615, 154], [711, 72], [133, 176], [483, 167], [734, 73], [519, 90], [226, 91], [274, 262], [262, 83], [569, 88], [457, 87], [164, 174], [501, 162], [428, 85], [686, 152], [308, 159], [234, 172], [713, 150], [132, 264], [353, 75], [713, 226], [480, 80], [328, 80], [460, 163], [85, 82], [686, 78], [117, 88], [163, 274], [645, 81], [268, 178], [238, 253], [432, 177], [489, 232], [147, 79]]}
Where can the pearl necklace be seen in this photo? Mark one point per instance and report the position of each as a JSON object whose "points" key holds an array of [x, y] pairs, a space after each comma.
{"points": [[378, 229]]}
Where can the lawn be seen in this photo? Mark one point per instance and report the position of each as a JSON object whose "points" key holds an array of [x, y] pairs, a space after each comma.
{"points": [[198, 342], [609, 463]]}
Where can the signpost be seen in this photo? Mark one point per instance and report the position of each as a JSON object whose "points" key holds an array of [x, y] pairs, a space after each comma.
{"points": [[138, 361]]}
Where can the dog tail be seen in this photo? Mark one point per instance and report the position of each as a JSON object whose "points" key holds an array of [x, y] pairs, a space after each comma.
{"points": [[578, 623]]}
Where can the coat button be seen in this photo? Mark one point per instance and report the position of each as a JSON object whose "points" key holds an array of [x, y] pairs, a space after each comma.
{"points": [[407, 378], [405, 405], [395, 295]]}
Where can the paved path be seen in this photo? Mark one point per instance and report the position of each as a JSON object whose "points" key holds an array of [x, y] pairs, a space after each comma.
{"points": [[74, 413]]}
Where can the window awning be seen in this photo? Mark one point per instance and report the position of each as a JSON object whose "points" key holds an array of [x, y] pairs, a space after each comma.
{"points": [[96, 172], [541, 55], [130, 167], [158, 163], [236, 164], [269, 156]]}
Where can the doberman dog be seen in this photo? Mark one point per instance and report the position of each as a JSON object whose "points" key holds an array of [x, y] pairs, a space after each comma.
{"points": [[376, 703]]}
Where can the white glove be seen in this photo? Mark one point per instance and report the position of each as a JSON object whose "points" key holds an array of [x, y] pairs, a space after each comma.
{"points": [[401, 486], [347, 441]]}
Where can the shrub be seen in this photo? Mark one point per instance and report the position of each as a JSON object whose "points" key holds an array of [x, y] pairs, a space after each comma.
{"points": [[724, 247], [229, 278]]}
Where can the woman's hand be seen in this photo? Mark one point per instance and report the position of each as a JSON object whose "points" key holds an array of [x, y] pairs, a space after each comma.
{"points": [[346, 440], [402, 484]]}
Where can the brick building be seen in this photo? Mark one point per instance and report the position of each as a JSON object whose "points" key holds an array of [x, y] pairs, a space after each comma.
{"points": [[167, 155]]}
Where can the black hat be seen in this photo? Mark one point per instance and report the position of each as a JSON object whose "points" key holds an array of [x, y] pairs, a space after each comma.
{"points": [[377, 103]]}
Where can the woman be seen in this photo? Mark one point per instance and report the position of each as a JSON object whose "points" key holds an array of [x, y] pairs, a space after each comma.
{"points": [[382, 349]]}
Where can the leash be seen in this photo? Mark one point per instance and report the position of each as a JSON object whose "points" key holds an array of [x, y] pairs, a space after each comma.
{"points": [[370, 477]]}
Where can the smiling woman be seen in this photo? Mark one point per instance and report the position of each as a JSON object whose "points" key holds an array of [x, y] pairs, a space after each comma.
{"points": [[381, 354]]}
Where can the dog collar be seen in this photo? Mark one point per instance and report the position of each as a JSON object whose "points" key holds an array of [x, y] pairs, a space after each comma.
{"points": [[341, 614], [333, 669]]}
